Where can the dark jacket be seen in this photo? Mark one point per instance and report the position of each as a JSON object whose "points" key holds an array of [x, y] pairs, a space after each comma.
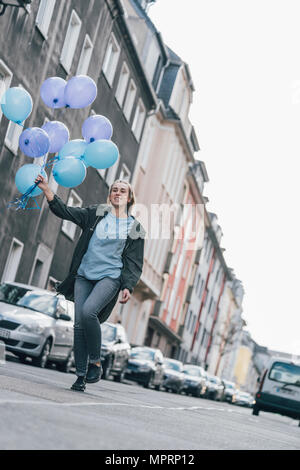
{"points": [[87, 219]]}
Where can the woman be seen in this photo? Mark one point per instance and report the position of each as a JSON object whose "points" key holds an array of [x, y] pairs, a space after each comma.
{"points": [[108, 259]]}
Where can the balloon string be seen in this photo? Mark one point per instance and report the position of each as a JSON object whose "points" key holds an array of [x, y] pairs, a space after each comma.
{"points": [[21, 202]]}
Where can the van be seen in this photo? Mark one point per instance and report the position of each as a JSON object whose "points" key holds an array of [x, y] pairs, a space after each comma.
{"points": [[279, 389]]}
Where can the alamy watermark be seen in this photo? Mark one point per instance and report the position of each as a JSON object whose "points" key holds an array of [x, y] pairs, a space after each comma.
{"points": [[166, 222]]}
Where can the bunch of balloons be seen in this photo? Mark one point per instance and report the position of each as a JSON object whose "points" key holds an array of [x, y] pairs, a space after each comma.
{"points": [[74, 156]]}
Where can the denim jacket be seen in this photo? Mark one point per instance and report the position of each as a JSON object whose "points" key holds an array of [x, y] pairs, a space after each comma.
{"points": [[87, 219]]}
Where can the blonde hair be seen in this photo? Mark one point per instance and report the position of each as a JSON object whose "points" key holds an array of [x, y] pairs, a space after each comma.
{"points": [[131, 194]]}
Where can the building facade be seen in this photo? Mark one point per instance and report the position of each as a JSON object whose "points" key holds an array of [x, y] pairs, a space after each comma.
{"points": [[65, 38]]}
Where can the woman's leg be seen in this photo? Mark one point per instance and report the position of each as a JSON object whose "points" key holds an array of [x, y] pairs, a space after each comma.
{"points": [[83, 288], [102, 293]]}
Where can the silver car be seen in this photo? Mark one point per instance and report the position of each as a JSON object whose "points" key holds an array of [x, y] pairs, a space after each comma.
{"points": [[37, 323]]}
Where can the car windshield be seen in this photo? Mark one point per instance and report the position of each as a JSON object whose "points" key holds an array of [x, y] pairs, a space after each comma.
{"points": [[108, 332], [192, 371], [285, 373], [34, 300], [228, 385], [173, 365], [143, 354], [213, 380]]}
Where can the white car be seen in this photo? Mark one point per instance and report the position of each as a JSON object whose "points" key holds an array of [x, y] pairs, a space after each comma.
{"points": [[37, 323], [279, 389]]}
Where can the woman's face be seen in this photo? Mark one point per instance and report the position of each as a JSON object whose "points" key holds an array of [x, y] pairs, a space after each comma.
{"points": [[119, 195]]}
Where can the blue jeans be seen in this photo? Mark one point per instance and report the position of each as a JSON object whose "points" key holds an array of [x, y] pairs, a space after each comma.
{"points": [[90, 298]]}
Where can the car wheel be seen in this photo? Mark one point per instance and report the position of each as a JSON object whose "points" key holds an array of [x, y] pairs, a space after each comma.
{"points": [[255, 410], [149, 381], [67, 365], [107, 367], [120, 377], [22, 357], [42, 359]]}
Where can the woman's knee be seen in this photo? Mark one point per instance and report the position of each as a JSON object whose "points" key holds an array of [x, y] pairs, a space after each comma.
{"points": [[88, 313]]}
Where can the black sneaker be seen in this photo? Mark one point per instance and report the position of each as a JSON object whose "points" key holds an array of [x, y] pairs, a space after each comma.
{"points": [[94, 374], [79, 385]]}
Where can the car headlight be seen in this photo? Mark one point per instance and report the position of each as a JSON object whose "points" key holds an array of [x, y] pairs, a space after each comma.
{"points": [[32, 328]]}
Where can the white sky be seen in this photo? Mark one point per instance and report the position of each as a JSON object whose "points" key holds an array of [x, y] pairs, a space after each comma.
{"points": [[244, 58]]}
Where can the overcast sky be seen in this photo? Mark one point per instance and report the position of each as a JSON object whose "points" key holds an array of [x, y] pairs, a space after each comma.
{"points": [[244, 58]]}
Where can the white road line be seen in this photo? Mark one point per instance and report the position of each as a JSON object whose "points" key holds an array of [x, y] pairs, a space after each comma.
{"points": [[133, 405]]}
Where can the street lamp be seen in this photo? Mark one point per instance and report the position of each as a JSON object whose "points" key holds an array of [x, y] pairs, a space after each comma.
{"points": [[12, 3]]}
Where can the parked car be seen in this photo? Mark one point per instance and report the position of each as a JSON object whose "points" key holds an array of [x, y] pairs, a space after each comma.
{"points": [[228, 391], [115, 351], [173, 376], [215, 387], [279, 389], [244, 399], [145, 366], [195, 380], [38, 324]]}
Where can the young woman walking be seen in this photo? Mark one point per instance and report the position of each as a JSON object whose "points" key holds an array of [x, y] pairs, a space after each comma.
{"points": [[108, 259]]}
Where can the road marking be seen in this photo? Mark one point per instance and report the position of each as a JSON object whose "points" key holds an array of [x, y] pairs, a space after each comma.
{"points": [[134, 405]]}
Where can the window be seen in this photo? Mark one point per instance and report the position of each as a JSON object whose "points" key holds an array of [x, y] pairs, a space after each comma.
{"points": [[189, 319], [198, 282], [51, 284], [203, 337], [40, 160], [200, 291], [70, 43], [37, 272], [44, 16], [125, 173], [5, 80], [53, 185], [138, 121], [285, 373], [122, 84], [85, 57], [41, 265], [129, 102], [13, 261], [111, 59], [111, 173], [69, 228], [157, 339], [193, 324], [12, 136], [210, 304], [185, 270], [175, 312]]}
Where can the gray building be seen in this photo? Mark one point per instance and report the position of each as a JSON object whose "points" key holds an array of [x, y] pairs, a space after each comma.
{"points": [[65, 38]]}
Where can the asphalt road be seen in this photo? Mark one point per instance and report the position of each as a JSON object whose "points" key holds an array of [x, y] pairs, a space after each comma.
{"points": [[39, 412]]}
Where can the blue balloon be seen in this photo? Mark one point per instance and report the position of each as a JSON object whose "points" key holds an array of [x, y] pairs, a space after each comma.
{"points": [[16, 104], [34, 142], [73, 148], [80, 92], [69, 172], [96, 127], [58, 134], [101, 154], [53, 92], [26, 176]]}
